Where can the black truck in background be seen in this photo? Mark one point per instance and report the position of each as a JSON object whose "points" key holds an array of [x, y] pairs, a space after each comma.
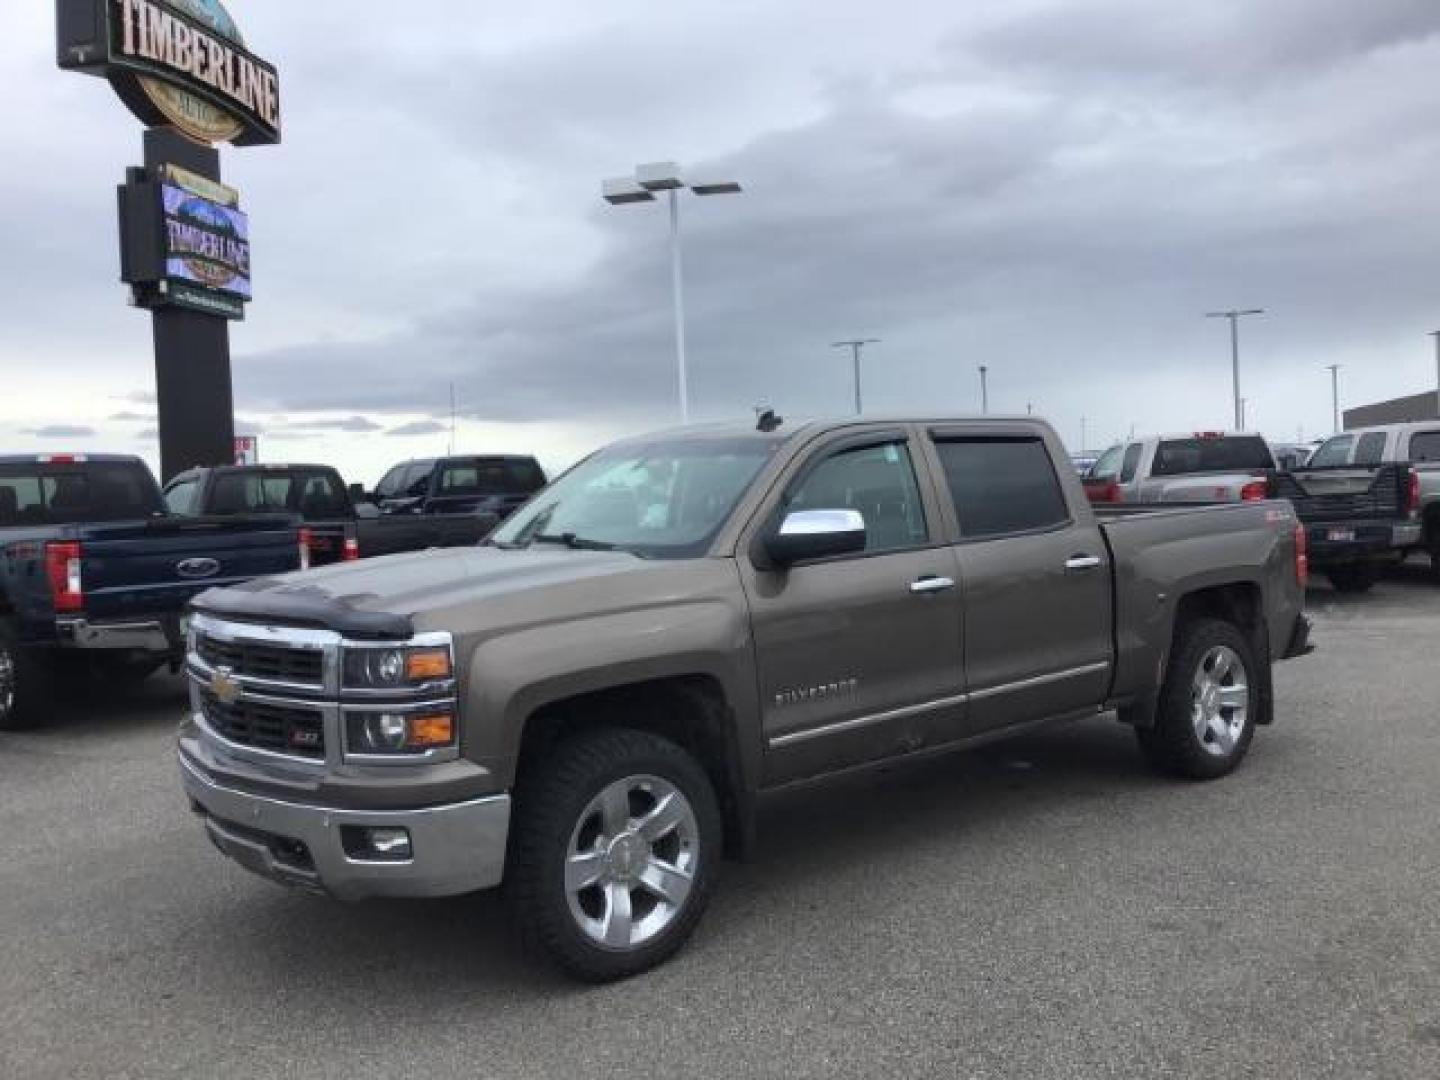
{"points": [[497, 483], [338, 527], [95, 574]]}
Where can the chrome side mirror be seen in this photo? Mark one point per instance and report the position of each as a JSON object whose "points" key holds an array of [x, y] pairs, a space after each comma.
{"points": [[816, 534]]}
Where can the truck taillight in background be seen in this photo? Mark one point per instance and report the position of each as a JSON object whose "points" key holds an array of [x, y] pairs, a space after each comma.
{"points": [[1302, 556], [62, 568], [306, 538], [1255, 491], [351, 551], [1412, 494], [1102, 492]]}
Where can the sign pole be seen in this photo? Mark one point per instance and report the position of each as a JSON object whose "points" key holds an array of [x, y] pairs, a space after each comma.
{"points": [[192, 350]]}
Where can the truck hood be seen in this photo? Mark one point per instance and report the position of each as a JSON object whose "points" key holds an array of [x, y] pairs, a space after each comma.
{"points": [[384, 598]]}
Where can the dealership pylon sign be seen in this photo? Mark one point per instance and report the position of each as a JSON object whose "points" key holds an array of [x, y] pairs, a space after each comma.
{"points": [[183, 68]]}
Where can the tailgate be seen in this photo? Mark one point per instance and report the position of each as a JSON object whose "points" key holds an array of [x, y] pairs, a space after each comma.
{"points": [[1347, 493], [156, 566]]}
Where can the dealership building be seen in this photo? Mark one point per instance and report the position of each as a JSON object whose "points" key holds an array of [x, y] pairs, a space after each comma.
{"points": [[1403, 410]]}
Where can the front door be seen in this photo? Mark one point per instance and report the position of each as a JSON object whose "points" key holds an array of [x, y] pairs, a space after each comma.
{"points": [[1036, 577], [858, 656]]}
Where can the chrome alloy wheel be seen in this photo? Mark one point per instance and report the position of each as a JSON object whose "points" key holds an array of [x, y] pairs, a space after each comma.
{"points": [[7, 681], [631, 861], [1220, 700]]}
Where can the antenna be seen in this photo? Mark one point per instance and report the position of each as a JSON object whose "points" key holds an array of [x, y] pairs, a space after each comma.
{"points": [[451, 450]]}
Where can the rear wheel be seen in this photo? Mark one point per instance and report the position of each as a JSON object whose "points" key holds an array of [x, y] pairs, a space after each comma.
{"points": [[1208, 704], [613, 853], [1354, 578], [24, 684]]}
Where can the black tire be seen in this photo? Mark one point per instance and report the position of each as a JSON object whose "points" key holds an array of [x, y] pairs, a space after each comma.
{"points": [[1175, 745], [25, 684], [1354, 577], [550, 813]]}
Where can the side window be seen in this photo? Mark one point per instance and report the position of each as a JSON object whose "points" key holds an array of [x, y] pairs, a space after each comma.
{"points": [[1334, 451], [1131, 464], [180, 498], [1425, 446], [1370, 450], [459, 479], [1002, 486], [879, 481], [417, 480], [389, 485], [1108, 465]]}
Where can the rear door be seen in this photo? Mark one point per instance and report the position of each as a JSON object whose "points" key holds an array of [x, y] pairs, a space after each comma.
{"points": [[859, 656], [1035, 573]]}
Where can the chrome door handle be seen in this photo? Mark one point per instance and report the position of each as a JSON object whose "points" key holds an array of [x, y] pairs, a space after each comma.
{"points": [[1082, 562], [931, 584]]}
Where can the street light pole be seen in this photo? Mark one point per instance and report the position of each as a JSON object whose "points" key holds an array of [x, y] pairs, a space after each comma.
{"points": [[1436, 335], [666, 176], [677, 289], [1334, 398], [984, 390], [1235, 316], [855, 345]]}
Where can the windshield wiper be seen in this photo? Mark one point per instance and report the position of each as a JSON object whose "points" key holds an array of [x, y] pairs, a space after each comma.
{"points": [[570, 540]]}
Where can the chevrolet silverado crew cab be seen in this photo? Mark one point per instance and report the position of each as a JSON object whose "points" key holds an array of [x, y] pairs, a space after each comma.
{"points": [[94, 574], [338, 528], [1360, 457], [587, 708], [1206, 466]]}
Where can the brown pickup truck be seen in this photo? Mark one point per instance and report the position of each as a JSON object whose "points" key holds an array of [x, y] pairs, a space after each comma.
{"points": [[588, 708]]}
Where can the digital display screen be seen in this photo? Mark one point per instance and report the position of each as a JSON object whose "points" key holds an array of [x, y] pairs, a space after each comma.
{"points": [[206, 244]]}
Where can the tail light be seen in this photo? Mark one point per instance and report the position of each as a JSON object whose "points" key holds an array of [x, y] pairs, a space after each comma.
{"points": [[62, 567], [1103, 493], [306, 537], [352, 549], [1412, 496], [1302, 556], [1255, 491]]}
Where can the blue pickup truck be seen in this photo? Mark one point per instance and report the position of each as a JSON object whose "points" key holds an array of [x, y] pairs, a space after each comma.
{"points": [[95, 573]]}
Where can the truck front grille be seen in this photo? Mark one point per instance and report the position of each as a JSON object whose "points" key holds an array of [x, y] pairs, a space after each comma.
{"points": [[278, 663], [283, 729]]}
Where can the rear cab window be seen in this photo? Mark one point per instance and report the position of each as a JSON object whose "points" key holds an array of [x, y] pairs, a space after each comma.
{"points": [[1002, 486], [311, 493], [1212, 454], [72, 493], [1370, 450]]}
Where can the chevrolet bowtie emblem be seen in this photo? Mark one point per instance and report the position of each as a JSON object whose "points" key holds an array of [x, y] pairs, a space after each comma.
{"points": [[225, 686]]}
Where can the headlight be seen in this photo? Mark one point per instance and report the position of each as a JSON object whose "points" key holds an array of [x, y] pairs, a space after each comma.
{"points": [[399, 732], [396, 668]]}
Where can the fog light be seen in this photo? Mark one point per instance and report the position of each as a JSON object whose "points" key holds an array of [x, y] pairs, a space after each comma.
{"points": [[385, 731], [368, 844]]}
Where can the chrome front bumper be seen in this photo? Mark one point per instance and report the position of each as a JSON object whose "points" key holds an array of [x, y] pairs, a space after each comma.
{"points": [[458, 848]]}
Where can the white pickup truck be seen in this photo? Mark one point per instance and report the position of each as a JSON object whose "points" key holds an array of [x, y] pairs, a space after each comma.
{"points": [[1204, 466]]}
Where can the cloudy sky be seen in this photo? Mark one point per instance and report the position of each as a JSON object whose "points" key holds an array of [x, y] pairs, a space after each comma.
{"points": [[1058, 189]]}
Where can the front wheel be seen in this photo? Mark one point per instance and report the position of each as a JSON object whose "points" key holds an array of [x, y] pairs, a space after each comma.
{"points": [[613, 853], [1208, 704]]}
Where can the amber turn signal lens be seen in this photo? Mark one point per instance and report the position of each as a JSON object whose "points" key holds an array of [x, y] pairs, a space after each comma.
{"points": [[437, 729], [427, 664]]}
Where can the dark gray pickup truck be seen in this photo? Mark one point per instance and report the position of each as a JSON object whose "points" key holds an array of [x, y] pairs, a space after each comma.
{"points": [[589, 707]]}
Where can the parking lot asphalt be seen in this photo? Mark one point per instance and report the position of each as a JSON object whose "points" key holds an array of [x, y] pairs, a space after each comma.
{"points": [[1041, 908]]}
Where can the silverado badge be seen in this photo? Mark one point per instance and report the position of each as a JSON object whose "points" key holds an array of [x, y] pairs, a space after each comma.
{"points": [[225, 686]]}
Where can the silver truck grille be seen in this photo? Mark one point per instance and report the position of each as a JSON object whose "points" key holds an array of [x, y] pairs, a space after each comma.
{"points": [[273, 663]]}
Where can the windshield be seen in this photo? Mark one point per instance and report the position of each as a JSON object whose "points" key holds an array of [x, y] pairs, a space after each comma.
{"points": [[1176, 457], [662, 499], [1336, 451]]}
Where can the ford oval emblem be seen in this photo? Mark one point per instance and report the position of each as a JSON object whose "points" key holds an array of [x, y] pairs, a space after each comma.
{"points": [[197, 568]]}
